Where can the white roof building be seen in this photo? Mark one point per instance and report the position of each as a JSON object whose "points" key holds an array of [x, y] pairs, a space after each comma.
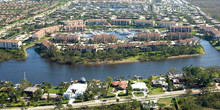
{"points": [[139, 85], [76, 89]]}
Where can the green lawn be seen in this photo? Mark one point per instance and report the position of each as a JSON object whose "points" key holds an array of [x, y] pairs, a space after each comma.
{"points": [[139, 94], [28, 45], [200, 50], [54, 90], [155, 91], [165, 102], [218, 48], [45, 38]]}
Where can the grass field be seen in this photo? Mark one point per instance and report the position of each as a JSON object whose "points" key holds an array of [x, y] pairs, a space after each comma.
{"points": [[54, 90], [165, 102], [211, 7], [155, 91]]}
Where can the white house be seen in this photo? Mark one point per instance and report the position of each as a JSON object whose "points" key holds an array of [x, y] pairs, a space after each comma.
{"points": [[76, 89], [139, 86]]}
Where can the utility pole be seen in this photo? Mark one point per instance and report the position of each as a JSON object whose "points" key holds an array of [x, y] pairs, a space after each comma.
{"points": [[24, 75]]}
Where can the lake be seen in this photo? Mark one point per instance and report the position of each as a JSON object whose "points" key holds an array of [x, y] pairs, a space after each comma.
{"points": [[39, 69]]}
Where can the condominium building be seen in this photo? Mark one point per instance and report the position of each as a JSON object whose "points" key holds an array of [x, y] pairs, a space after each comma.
{"points": [[74, 28], [121, 21], [42, 32], [105, 38], [181, 28], [74, 22], [10, 44], [166, 24], [178, 35], [144, 22], [95, 21], [147, 36]]}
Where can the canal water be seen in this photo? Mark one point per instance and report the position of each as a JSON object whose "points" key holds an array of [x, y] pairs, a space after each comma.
{"points": [[38, 69]]}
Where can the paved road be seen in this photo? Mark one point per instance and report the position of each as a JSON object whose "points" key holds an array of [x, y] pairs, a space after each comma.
{"points": [[108, 102]]}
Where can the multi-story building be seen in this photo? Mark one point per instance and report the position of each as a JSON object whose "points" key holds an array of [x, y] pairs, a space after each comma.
{"points": [[74, 28], [144, 22], [147, 36], [66, 38], [121, 21], [213, 32], [95, 21], [74, 22], [42, 32], [166, 24], [181, 28], [120, 46], [105, 38], [178, 35], [45, 44], [191, 41], [10, 44]]}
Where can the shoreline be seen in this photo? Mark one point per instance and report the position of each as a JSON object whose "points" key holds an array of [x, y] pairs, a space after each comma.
{"points": [[136, 61], [184, 56]]}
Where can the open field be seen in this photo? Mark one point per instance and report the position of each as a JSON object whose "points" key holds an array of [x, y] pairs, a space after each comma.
{"points": [[211, 7]]}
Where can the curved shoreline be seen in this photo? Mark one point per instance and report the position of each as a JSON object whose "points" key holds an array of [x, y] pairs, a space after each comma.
{"points": [[136, 61]]}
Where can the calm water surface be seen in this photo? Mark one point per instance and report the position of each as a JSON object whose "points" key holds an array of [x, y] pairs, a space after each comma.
{"points": [[39, 69]]}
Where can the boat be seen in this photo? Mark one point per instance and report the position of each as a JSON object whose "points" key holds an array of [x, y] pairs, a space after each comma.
{"points": [[130, 35], [125, 32]]}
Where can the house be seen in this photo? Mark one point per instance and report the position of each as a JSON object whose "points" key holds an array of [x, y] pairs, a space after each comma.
{"points": [[140, 86], [66, 38], [51, 96], [75, 90], [160, 83], [10, 44], [104, 38], [95, 21], [166, 24], [181, 28], [146, 36], [121, 21], [71, 28], [144, 22], [30, 91], [122, 85]]}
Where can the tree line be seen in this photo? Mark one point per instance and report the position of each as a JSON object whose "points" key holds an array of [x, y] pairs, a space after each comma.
{"points": [[155, 53]]}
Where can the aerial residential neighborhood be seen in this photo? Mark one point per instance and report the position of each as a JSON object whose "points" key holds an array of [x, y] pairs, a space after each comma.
{"points": [[109, 54]]}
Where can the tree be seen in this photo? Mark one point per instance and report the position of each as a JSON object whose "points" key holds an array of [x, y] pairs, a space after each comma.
{"points": [[37, 94], [109, 80], [24, 84], [173, 70], [58, 102], [188, 92]]}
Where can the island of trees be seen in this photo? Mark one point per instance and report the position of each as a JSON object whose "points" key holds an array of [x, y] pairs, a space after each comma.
{"points": [[157, 53]]}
